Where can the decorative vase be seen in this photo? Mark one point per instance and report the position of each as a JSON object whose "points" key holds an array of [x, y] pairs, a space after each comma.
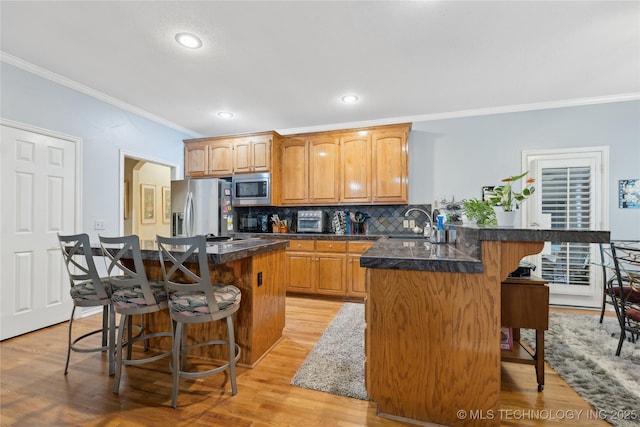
{"points": [[506, 219]]}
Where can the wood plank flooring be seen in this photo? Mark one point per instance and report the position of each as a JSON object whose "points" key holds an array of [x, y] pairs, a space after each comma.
{"points": [[35, 392]]}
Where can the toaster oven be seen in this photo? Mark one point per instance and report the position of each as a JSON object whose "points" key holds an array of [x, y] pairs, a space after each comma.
{"points": [[312, 221]]}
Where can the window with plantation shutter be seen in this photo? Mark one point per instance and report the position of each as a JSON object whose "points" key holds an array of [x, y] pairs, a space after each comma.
{"points": [[571, 187], [566, 197]]}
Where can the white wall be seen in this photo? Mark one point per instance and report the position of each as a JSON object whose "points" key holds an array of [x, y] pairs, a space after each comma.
{"points": [[104, 129], [459, 156]]}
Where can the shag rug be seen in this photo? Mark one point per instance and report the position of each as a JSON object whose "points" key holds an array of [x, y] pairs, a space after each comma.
{"points": [[336, 363], [579, 348], [582, 351]]}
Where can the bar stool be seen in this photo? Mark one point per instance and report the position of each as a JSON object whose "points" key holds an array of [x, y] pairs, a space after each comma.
{"points": [[88, 289], [132, 294], [194, 299]]}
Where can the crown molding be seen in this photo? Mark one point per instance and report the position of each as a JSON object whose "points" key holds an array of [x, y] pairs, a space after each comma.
{"points": [[624, 97], [56, 78]]}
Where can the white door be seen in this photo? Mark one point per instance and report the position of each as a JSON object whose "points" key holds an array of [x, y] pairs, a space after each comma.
{"points": [[39, 196], [570, 190]]}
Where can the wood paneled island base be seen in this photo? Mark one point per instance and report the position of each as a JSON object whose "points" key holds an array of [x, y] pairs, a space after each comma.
{"points": [[259, 321]]}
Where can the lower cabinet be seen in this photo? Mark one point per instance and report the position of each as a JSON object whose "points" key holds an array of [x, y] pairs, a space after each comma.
{"points": [[355, 274], [326, 267]]}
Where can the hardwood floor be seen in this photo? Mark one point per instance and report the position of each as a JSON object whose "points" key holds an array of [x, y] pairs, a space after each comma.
{"points": [[35, 392]]}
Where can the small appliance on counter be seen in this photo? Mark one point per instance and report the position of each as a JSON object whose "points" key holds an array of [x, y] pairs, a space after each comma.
{"points": [[253, 223], [312, 222]]}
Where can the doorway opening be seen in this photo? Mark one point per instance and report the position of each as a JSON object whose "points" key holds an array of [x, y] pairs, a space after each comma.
{"points": [[145, 188]]}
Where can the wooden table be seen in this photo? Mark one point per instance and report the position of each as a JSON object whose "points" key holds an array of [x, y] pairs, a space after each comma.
{"points": [[525, 304]]}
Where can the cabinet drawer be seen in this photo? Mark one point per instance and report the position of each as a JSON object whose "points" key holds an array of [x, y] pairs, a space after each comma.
{"points": [[331, 246], [359, 247], [301, 245]]}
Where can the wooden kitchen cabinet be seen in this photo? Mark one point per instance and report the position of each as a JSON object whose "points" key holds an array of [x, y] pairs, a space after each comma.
{"points": [[225, 156], [220, 158], [331, 271], [252, 154], [389, 166], [324, 173], [355, 168], [195, 159], [294, 187], [356, 286], [326, 267]]}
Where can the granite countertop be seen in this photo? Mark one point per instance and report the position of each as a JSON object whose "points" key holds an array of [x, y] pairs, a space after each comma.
{"points": [[464, 256], [410, 253], [311, 236], [217, 252]]}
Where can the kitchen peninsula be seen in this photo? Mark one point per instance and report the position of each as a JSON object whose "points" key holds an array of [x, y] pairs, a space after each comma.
{"points": [[256, 266], [433, 316]]}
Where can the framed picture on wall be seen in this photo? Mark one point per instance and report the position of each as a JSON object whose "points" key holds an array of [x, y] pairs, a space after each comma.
{"points": [[148, 203], [166, 205], [629, 193]]}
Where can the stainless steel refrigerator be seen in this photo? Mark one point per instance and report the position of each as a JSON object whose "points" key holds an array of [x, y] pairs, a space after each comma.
{"points": [[201, 206]]}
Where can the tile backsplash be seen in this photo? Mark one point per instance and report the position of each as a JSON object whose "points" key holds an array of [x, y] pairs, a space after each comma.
{"points": [[381, 219]]}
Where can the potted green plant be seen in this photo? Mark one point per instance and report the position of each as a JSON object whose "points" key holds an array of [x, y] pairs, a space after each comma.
{"points": [[479, 211], [506, 197]]}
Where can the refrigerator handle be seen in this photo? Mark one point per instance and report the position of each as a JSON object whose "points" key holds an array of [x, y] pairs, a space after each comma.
{"points": [[188, 215]]}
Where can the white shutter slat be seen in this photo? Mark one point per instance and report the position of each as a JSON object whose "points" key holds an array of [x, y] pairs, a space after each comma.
{"points": [[566, 195]]}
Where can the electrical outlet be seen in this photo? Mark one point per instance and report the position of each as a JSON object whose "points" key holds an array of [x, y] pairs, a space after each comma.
{"points": [[99, 224], [412, 223], [405, 223]]}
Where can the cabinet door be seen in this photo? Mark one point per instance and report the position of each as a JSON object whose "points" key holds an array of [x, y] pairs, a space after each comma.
{"points": [[261, 154], [355, 277], [195, 159], [294, 184], [356, 274], [389, 174], [300, 272], [242, 155], [324, 173], [331, 275], [355, 168], [220, 158]]}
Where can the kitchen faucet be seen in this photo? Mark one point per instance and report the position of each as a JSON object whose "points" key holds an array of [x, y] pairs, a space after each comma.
{"points": [[429, 224]]}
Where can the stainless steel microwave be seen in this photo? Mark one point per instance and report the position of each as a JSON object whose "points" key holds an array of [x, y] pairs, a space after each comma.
{"points": [[251, 189]]}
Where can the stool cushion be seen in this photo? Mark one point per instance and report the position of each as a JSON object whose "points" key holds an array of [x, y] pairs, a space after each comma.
{"points": [[133, 297], [86, 291], [195, 304], [629, 295]]}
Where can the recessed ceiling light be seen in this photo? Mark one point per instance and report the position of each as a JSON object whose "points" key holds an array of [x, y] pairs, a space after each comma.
{"points": [[225, 115], [188, 40], [349, 99]]}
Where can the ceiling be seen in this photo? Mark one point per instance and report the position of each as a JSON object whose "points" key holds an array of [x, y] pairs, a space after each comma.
{"points": [[284, 65]]}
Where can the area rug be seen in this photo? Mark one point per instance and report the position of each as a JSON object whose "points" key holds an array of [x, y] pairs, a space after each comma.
{"points": [[580, 349], [336, 363]]}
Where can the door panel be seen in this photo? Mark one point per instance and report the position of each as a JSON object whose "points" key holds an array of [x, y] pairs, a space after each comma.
{"points": [[39, 200], [568, 196]]}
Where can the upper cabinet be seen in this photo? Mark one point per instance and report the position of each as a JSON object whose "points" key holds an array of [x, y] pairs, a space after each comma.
{"points": [[346, 167], [294, 184], [252, 154], [224, 156], [389, 166]]}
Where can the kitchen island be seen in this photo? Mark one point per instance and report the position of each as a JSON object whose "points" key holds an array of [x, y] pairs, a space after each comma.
{"points": [[433, 316], [256, 266]]}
